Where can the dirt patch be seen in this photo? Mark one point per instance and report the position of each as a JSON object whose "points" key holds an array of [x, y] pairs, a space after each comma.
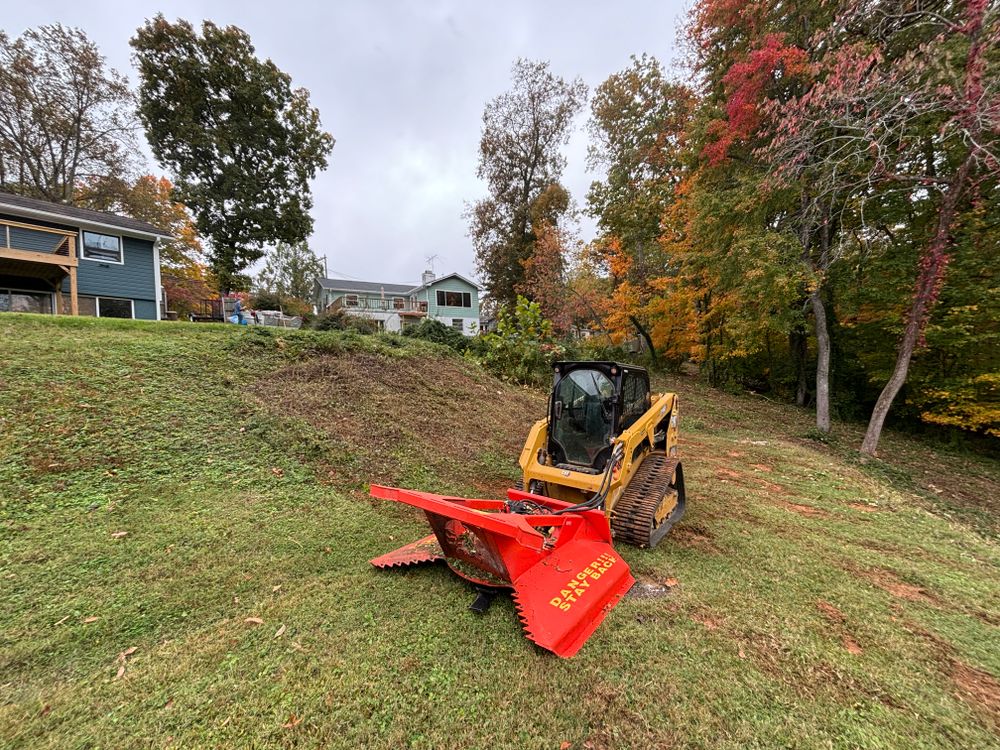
{"points": [[384, 417], [693, 537], [650, 588], [864, 508], [804, 510], [838, 620], [709, 621], [890, 582], [772, 488], [727, 475], [979, 689], [830, 612], [762, 467], [850, 644]]}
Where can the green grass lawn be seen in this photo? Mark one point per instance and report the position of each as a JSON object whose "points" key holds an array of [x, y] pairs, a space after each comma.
{"points": [[184, 539]]}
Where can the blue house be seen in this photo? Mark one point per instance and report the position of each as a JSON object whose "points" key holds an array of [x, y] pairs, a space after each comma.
{"points": [[66, 260], [452, 300]]}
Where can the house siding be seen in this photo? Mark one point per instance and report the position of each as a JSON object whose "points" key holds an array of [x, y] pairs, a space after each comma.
{"points": [[32, 239], [444, 313], [135, 279]]}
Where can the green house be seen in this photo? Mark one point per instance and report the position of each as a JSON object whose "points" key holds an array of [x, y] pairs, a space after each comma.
{"points": [[451, 299]]}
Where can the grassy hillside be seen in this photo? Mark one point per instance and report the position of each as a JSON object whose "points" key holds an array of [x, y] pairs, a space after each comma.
{"points": [[184, 536]]}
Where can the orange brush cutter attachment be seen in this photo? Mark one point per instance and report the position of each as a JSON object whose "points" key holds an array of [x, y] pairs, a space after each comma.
{"points": [[558, 561]]}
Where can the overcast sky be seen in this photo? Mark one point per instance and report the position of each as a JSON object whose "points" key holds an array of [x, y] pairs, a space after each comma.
{"points": [[401, 86]]}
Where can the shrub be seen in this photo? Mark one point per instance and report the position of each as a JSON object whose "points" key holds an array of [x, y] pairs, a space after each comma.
{"points": [[439, 333], [338, 320], [523, 348], [274, 301], [266, 301]]}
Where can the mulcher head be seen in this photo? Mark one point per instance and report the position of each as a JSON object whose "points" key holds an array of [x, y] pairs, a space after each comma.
{"points": [[563, 572]]}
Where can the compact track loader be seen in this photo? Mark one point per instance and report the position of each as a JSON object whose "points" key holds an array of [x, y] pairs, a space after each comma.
{"points": [[602, 466]]}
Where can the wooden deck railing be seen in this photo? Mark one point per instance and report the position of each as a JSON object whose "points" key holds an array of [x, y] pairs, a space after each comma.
{"points": [[52, 265]]}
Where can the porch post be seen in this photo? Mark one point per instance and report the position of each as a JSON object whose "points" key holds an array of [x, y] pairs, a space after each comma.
{"points": [[74, 303]]}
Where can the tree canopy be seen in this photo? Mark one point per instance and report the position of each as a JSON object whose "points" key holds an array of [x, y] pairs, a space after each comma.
{"points": [[521, 161], [240, 142], [65, 117]]}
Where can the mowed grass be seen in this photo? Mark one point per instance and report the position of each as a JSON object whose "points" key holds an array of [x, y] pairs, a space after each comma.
{"points": [[813, 601]]}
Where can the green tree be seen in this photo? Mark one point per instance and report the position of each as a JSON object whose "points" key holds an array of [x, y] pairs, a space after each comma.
{"points": [[65, 117], [291, 271], [637, 127], [241, 143], [520, 159]]}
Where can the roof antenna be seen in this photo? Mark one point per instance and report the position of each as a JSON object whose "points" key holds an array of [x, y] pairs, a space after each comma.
{"points": [[430, 262]]}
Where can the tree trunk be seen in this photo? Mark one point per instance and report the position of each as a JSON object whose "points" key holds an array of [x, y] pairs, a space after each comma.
{"points": [[932, 266], [800, 350], [645, 335], [822, 362]]}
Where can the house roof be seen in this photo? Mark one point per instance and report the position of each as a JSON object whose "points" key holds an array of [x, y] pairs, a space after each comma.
{"points": [[20, 205], [449, 276], [367, 287], [350, 285]]}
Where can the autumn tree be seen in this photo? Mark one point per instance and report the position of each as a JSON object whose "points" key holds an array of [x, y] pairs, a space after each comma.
{"points": [[242, 144], [637, 127], [545, 275], [291, 271], [911, 105], [187, 281], [65, 117], [521, 162]]}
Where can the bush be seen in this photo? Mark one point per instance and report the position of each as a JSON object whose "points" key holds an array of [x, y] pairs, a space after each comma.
{"points": [[523, 348], [274, 301], [439, 333], [266, 301], [338, 320]]}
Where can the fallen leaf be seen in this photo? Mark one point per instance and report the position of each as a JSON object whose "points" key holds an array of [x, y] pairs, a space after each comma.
{"points": [[127, 653], [741, 653], [169, 703], [118, 534], [281, 632], [45, 710], [63, 620], [275, 588], [565, 745], [121, 672], [278, 472], [293, 721], [254, 621], [671, 582], [92, 618]]}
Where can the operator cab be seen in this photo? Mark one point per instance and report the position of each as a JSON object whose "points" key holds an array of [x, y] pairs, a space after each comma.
{"points": [[591, 404]]}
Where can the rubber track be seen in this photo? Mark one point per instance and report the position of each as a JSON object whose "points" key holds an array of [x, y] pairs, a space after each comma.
{"points": [[634, 513]]}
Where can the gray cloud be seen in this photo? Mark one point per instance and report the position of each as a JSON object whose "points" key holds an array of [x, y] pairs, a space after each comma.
{"points": [[401, 85]]}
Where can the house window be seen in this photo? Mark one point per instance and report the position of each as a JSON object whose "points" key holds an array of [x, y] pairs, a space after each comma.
{"points": [[454, 299], [87, 306], [398, 303], [108, 307], [350, 300], [12, 300], [103, 247], [458, 324]]}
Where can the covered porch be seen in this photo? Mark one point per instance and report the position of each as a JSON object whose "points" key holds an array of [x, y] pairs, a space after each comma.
{"points": [[34, 262]]}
